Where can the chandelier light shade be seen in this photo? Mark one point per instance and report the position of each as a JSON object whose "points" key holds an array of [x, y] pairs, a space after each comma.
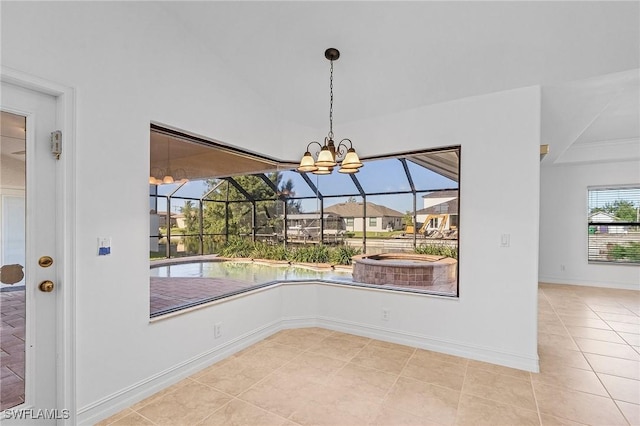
{"points": [[330, 155], [321, 170], [307, 164], [351, 160], [326, 158]]}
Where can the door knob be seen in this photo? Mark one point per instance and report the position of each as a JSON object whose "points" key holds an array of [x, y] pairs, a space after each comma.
{"points": [[46, 286]]}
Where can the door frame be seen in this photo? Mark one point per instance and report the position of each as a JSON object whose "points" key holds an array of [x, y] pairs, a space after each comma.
{"points": [[66, 230]]}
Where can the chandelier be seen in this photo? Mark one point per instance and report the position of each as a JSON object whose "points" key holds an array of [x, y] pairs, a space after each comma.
{"points": [[330, 155], [158, 176]]}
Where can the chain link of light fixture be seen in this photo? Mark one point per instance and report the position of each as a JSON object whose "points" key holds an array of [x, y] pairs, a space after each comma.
{"points": [[331, 102]]}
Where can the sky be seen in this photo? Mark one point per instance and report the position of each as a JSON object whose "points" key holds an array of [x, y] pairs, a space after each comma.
{"points": [[376, 176], [598, 197]]}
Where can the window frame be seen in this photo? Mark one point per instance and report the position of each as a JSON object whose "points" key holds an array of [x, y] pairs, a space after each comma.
{"points": [[625, 244]]}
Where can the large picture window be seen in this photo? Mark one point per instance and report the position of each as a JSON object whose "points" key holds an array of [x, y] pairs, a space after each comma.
{"points": [[248, 221], [614, 224]]}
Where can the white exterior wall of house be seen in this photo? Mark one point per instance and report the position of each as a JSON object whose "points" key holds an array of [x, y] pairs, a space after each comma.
{"points": [[121, 75], [607, 218], [431, 201], [381, 224]]}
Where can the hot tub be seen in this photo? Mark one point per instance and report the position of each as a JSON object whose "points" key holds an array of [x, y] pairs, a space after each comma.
{"points": [[404, 269]]}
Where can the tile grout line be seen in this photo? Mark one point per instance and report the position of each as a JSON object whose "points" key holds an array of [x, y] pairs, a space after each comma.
{"points": [[533, 389], [585, 358], [464, 380], [398, 376], [591, 366]]}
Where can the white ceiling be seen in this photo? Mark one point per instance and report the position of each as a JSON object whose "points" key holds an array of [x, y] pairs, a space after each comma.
{"points": [[401, 55], [593, 120]]}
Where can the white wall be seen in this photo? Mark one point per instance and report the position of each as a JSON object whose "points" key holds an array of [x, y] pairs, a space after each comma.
{"points": [[130, 66], [499, 194], [563, 224]]}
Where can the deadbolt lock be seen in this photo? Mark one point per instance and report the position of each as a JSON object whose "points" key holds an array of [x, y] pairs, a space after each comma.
{"points": [[45, 261], [46, 286]]}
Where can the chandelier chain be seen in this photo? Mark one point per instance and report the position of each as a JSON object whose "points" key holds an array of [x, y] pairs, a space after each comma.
{"points": [[331, 102]]}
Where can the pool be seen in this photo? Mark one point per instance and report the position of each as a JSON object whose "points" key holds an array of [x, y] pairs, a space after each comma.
{"points": [[176, 285], [249, 272]]}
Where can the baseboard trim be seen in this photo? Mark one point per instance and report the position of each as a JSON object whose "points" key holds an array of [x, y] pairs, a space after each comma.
{"points": [[126, 397], [587, 283], [479, 353]]}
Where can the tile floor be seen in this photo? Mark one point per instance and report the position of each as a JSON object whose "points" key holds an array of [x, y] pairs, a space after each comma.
{"points": [[589, 347], [12, 322]]}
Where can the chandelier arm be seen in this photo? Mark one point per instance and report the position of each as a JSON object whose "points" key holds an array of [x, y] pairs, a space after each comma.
{"points": [[341, 148], [314, 142]]}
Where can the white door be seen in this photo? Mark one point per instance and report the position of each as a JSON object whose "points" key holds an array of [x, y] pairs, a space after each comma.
{"points": [[28, 186]]}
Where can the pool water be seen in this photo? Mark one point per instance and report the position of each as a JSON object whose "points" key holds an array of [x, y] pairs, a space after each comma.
{"points": [[248, 272]]}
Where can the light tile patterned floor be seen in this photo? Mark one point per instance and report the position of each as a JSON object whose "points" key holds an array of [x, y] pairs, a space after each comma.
{"points": [[12, 346], [589, 346]]}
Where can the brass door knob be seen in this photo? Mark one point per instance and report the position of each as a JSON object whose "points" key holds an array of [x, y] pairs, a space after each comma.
{"points": [[46, 286]]}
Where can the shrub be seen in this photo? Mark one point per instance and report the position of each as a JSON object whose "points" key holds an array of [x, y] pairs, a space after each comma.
{"points": [[316, 253], [439, 249], [237, 247], [342, 255], [629, 252]]}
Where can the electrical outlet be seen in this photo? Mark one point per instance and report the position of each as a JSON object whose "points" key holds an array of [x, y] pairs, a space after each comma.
{"points": [[217, 330], [386, 313], [562, 268]]}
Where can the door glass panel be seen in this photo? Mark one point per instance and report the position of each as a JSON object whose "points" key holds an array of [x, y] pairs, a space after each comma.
{"points": [[12, 259]]}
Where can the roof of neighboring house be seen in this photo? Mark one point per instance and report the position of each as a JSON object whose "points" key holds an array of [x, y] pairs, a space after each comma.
{"points": [[603, 214], [449, 207], [441, 194], [314, 215], [355, 209], [173, 215]]}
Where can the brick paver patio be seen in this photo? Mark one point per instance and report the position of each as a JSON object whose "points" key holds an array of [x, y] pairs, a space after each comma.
{"points": [[174, 292]]}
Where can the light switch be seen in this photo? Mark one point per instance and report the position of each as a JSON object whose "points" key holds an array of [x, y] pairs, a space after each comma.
{"points": [[104, 246], [505, 240]]}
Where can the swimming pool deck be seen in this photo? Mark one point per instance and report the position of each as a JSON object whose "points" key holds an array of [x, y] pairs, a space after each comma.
{"points": [[173, 292]]}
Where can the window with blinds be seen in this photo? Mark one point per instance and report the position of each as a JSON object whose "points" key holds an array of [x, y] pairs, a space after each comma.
{"points": [[614, 224]]}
